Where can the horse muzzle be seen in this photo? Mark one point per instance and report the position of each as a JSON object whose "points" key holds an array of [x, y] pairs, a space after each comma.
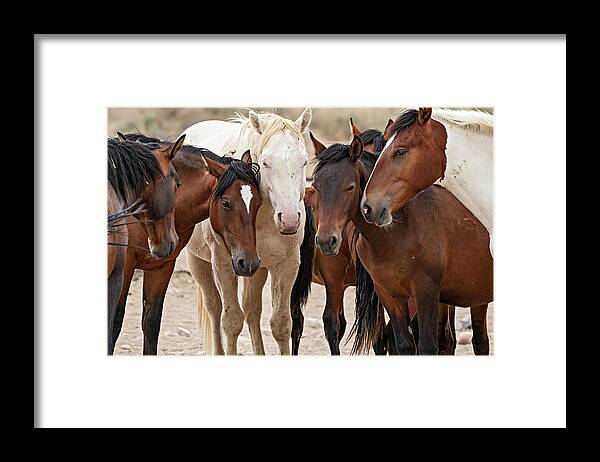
{"points": [[376, 214], [287, 223], [244, 265], [328, 245], [164, 249]]}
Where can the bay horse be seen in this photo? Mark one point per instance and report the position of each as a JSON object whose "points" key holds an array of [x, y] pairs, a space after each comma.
{"points": [[142, 184], [211, 186], [424, 146], [278, 147], [337, 272], [434, 251]]}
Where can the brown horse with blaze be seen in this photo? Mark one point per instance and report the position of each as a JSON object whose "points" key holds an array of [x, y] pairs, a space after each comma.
{"points": [[210, 187]]}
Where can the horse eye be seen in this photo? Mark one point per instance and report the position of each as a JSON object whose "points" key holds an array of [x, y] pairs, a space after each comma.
{"points": [[350, 188], [400, 152], [226, 204], [265, 165]]}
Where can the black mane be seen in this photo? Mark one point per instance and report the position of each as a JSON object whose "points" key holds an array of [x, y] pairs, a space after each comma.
{"points": [[375, 137], [331, 155], [131, 167], [337, 152], [405, 120], [238, 170], [186, 148]]}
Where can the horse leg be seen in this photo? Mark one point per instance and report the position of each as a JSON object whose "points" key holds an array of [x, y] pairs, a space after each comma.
{"points": [[414, 328], [480, 340], [119, 312], [334, 304], [397, 310], [391, 339], [282, 280], [232, 317], [452, 325], [115, 284], [208, 303], [252, 306], [155, 288], [443, 330], [427, 307]]}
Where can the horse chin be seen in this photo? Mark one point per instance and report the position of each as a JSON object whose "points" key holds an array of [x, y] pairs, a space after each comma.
{"points": [[330, 253], [384, 220], [288, 233]]}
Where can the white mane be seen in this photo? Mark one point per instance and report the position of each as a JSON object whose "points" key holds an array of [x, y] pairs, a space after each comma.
{"points": [[469, 119], [270, 124]]}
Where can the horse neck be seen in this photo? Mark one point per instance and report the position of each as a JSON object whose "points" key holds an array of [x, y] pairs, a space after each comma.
{"points": [[193, 197], [469, 170]]}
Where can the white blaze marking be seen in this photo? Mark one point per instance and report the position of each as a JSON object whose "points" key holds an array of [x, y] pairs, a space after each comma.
{"points": [[246, 193], [376, 162]]}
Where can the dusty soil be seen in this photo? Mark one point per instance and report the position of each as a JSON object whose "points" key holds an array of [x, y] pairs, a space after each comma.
{"points": [[179, 330]]}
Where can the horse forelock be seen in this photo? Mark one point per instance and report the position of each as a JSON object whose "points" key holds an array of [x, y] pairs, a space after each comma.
{"points": [[238, 170]]}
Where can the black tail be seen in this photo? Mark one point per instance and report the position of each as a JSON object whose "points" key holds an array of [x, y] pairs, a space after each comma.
{"points": [[301, 287], [370, 320]]}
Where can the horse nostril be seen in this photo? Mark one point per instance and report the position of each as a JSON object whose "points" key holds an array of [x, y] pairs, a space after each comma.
{"points": [[333, 241], [279, 216], [242, 264], [298, 216], [367, 209]]}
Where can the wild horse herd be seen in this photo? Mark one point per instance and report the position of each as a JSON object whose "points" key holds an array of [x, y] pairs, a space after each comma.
{"points": [[404, 215]]}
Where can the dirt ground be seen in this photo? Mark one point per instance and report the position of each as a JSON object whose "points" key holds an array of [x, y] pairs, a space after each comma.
{"points": [[179, 333]]}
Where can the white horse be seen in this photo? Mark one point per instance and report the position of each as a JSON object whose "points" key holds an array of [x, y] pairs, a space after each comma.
{"points": [[469, 159], [277, 145]]}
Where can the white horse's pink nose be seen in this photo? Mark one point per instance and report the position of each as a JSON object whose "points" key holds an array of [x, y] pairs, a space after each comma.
{"points": [[288, 223]]}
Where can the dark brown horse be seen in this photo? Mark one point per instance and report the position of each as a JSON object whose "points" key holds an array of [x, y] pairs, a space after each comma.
{"points": [[434, 251], [141, 185], [210, 186], [337, 272]]}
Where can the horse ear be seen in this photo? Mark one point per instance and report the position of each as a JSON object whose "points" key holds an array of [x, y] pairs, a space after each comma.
{"points": [[254, 121], [319, 147], [310, 197], [213, 167], [303, 121], [121, 136], [424, 115], [175, 147], [390, 122], [356, 148], [246, 157], [355, 130]]}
